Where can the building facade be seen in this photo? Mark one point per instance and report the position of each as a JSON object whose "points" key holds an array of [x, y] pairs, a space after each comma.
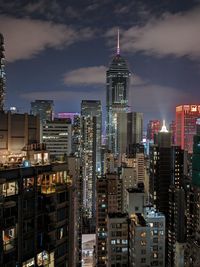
{"points": [[43, 108], [35, 208], [57, 137], [2, 73], [186, 117], [153, 127], [91, 126], [17, 131], [117, 80]]}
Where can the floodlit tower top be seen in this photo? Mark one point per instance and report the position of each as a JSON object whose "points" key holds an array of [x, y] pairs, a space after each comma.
{"points": [[164, 128]]}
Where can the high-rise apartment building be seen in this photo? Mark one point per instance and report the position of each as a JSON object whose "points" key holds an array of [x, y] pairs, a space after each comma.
{"points": [[2, 73], [43, 108], [35, 216], [147, 239], [91, 109], [186, 117], [91, 125], [109, 200], [117, 240], [117, 79]]}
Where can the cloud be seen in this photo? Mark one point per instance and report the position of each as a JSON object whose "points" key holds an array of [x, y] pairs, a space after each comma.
{"points": [[171, 34], [25, 38], [95, 75], [157, 101], [85, 76]]}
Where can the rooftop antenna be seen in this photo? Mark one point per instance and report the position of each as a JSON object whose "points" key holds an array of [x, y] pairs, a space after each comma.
{"points": [[118, 49]]}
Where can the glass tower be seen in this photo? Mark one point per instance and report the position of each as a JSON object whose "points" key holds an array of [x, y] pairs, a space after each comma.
{"points": [[117, 79]]}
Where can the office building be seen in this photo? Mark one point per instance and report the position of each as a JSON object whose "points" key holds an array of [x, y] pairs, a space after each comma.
{"points": [[186, 117], [134, 128], [57, 137], [43, 108], [129, 130], [117, 79], [2, 73]]}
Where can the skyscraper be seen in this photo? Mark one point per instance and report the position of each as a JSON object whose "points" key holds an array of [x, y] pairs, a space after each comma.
{"points": [[186, 117], [2, 73], [91, 125], [43, 108], [117, 79]]}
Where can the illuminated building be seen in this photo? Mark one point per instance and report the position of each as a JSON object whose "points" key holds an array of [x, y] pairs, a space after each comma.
{"points": [[43, 108], [109, 200], [196, 158], [76, 130], [172, 129], [147, 238], [153, 128], [35, 216], [167, 166], [17, 131], [57, 137], [117, 239], [2, 73], [68, 115], [76, 135], [117, 79], [186, 117], [75, 225], [91, 126]]}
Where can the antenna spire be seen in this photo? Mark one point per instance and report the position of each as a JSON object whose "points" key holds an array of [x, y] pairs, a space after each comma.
{"points": [[118, 48]]}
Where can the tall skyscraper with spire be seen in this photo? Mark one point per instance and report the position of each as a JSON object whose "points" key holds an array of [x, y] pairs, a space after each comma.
{"points": [[2, 73], [117, 79]]}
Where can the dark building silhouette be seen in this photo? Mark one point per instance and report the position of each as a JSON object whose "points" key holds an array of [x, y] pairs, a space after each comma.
{"points": [[35, 216]]}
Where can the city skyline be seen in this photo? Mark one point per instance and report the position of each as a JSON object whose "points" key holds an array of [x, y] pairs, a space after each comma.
{"points": [[56, 61]]}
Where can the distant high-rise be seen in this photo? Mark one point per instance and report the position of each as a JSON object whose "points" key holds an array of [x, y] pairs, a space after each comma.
{"points": [[186, 117], [153, 127], [2, 73], [117, 79], [57, 137], [43, 108]]}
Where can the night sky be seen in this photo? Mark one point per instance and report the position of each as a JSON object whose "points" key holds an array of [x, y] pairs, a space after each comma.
{"points": [[60, 50]]}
